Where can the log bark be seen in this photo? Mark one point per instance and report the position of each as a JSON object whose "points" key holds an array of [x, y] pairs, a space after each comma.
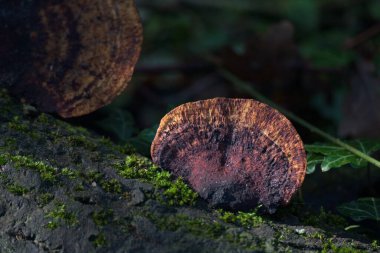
{"points": [[63, 189]]}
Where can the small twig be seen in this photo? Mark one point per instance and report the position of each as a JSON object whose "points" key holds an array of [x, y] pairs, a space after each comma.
{"points": [[242, 6], [363, 36], [254, 93], [185, 68]]}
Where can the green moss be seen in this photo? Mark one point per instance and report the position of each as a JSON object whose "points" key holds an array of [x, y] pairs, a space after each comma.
{"points": [[138, 167], [324, 218], [59, 215], [47, 172], [175, 192], [72, 174], [43, 118], [81, 140], [126, 149], [17, 189], [108, 185], [103, 217], [98, 240], [375, 245], [345, 249], [3, 177], [5, 98], [52, 224], [245, 219], [79, 187], [125, 225], [282, 234], [329, 246], [178, 193], [112, 186], [205, 228], [44, 198], [77, 130], [317, 235], [18, 125], [244, 239], [5, 104], [196, 226], [94, 176], [9, 144], [3, 160]]}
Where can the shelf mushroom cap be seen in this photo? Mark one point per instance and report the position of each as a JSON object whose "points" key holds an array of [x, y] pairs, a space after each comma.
{"points": [[73, 56], [236, 153]]}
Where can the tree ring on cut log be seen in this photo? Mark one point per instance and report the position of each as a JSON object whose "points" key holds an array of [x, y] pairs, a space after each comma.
{"points": [[236, 153], [70, 57]]}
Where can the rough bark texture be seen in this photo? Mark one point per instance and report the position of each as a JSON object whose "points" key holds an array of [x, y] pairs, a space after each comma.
{"points": [[63, 189]]}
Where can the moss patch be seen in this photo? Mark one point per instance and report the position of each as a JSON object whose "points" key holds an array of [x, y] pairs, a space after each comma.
{"points": [[60, 215], [324, 218], [244, 219], [111, 185], [17, 189], [44, 198], [72, 174], [196, 226], [98, 240], [174, 192], [47, 172], [102, 217], [329, 246]]}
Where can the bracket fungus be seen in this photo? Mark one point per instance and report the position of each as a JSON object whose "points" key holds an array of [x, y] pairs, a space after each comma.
{"points": [[236, 153], [71, 56]]}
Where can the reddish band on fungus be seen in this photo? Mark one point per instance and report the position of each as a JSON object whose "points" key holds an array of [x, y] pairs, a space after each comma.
{"points": [[70, 57], [236, 153]]}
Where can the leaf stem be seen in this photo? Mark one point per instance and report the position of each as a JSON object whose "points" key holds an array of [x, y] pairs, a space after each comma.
{"points": [[246, 87]]}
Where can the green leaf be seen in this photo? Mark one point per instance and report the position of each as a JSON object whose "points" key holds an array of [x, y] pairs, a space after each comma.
{"points": [[336, 161], [143, 140], [304, 14], [323, 148], [362, 209], [312, 161], [374, 9], [330, 156], [120, 123]]}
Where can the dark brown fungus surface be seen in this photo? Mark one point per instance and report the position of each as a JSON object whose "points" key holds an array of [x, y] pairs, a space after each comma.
{"points": [[70, 56], [236, 153]]}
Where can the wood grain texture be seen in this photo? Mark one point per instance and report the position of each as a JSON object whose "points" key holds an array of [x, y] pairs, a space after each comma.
{"points": [[71, 56], [236, 153]]}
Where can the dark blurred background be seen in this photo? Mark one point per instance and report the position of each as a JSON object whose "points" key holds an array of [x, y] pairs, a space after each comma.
{"points": [[319, 59]]}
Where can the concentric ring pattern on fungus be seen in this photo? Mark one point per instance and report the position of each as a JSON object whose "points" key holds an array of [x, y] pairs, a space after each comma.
{"points": [[70, 57], [236, 153]]}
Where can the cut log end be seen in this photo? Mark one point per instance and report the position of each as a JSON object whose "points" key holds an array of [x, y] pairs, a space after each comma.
{"points": [[70, 57]]}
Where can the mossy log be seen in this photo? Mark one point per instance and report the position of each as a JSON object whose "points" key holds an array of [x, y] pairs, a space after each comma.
{"points": [[63, 189]]}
